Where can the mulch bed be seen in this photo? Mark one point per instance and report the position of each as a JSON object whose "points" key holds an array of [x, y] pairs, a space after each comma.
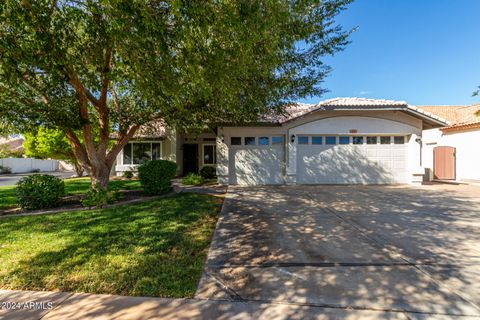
{"points": [[73, 203]]}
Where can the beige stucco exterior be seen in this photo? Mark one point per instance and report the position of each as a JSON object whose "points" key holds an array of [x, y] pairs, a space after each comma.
{"points": [[286, 163], [466, 143]]}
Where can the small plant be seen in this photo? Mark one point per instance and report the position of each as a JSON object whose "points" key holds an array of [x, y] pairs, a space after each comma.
{"points": [[156, 176], [99, 197], [193, 179], [5, 170], [208, 172], [39, 191], [128, 174]]}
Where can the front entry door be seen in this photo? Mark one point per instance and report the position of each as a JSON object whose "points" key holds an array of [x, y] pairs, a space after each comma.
{"points": [[190, 158], [444, 163]]}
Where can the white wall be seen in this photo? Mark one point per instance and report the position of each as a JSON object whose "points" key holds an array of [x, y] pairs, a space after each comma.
{"points": [[467, 144], [24, 165]]}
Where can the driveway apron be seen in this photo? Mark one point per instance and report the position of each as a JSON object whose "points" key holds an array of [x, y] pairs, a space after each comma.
{"points": [[409, 250]]}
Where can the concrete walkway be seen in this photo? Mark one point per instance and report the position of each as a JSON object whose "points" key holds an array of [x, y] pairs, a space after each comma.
{"points": [[108, 307], [413, 250]]}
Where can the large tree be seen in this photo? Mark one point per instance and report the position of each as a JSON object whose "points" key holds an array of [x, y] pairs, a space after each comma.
{"points": [[46, 143], [97, 68]]}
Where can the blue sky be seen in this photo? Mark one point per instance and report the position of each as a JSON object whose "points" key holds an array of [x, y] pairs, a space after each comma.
{"points": [[426, 52]]}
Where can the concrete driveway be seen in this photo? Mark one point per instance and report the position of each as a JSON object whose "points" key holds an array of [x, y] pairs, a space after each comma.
{"points": [[12, 179], [412, 252]]}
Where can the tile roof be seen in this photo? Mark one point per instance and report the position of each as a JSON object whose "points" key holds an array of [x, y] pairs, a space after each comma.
{"points": [[458, 117], [296, 110]]}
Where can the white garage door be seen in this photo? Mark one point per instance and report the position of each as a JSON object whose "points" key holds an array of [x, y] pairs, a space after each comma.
{"points": [[257, 160], [351, 160]]}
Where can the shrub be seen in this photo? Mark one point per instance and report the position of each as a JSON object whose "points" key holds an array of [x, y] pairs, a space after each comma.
{"points": [[5, 170], [193, 179], [128, 174], [35, 171], [208, 172], [98, 197], [156, 176], [39, 191]]}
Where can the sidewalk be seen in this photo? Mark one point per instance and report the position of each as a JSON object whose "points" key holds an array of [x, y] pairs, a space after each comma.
{"points": [[106, 307]]}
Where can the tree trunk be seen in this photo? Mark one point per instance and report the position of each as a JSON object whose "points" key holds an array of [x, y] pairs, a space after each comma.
{"points": [[78, 169], [99, 176]]}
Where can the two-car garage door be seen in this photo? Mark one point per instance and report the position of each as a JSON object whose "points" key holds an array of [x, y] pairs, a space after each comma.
{"points": [[351, 160], [320, 159]]}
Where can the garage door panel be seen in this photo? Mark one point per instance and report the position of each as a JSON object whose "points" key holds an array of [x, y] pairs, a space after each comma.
{"points": [[257, 165], [351, 164]]}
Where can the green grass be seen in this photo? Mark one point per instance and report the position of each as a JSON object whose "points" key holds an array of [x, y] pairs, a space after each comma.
{"points": [[156, 248], [76, 186]]}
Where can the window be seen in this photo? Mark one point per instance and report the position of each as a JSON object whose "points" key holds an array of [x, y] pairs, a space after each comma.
{"points": [[357, 140], [371, 140], [277, 140], [343, 140], [385, 140], [249, 141], [399, 140], [302, 140], [156, 151], [141, 152], [317, 140], [235, 141], [209, 154], [127, 154], [330, 140], [263, 141]]}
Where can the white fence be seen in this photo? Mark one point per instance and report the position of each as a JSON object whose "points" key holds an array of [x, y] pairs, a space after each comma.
{"points": [[23, 165]]}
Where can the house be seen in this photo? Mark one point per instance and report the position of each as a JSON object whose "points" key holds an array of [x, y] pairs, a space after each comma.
{"points": [[452, 152], [337, 141]]}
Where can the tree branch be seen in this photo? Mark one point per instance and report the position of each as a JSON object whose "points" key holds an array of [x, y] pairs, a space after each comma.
{"points": [[122, 140]]}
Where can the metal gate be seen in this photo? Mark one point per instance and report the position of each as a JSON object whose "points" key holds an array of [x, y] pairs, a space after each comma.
{"points": [[444, 163]]}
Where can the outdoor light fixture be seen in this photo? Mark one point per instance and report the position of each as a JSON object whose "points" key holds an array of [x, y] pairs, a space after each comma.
{"points": [[293, 138], [418, 139]]}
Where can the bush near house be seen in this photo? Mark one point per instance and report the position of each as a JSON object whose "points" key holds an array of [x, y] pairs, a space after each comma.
{"points": [[193, 179], [39, 191], [208, 172], [156, 176]]}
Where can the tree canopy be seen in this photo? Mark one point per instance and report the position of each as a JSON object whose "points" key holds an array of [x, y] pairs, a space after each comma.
{"points": [[91, 68]]}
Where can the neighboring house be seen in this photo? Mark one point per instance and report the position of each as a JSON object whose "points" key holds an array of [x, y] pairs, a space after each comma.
{"points": [[337, 141], [452, 152]]}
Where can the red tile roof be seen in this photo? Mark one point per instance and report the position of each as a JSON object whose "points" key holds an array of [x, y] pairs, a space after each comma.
{"points": [[458, 117]]}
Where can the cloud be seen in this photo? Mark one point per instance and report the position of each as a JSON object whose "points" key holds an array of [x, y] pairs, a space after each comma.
{"points": [[364, 92]]}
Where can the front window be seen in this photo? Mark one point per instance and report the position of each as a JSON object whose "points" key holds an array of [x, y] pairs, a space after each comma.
{"points": [[236, 141], [399, 140], [263, 141], [371, 140], [330, 140], [343, 140], [209, 154], [249, 141], [277, 140], [316, 140], [357, 140], [302, 139], [385, 140], [141, 152]]}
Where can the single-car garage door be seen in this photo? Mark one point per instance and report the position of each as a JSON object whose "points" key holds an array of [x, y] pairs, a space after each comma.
{"points": [[256, 160], [324, 159]]}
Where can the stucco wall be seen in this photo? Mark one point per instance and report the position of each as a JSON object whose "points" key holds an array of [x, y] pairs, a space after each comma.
{"points": [[466, 143], [335, 122]]}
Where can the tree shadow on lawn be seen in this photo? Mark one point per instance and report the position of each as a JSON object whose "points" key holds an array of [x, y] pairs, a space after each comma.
{"points": [[155, 248]]}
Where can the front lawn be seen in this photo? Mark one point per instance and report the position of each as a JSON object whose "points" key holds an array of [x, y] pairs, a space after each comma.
{"points": [[76, 186], [156, 248]]}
